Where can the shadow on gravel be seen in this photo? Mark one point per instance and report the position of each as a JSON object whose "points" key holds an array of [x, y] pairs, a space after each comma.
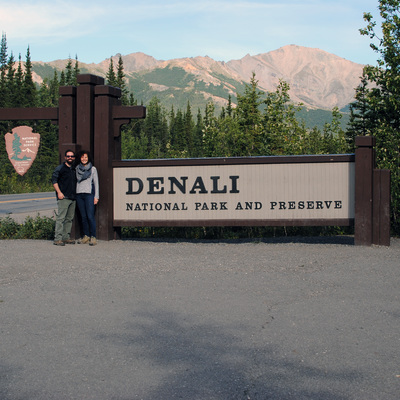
{"points": [[203, 361], [337, 240], [6, 382]]}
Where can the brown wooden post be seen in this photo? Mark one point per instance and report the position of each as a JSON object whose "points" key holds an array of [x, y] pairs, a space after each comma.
{"points": [[106, 97], [85, 110], [67, 132], [363, 190], [381, 207], [67, 121]]}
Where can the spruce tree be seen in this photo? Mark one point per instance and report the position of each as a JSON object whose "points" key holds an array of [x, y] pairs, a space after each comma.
{"points": [[29, 86], [110, 76], [3, 70], [54, 87], [62, 79], [76, 71], [18, 98], [189, 130], [198, 135], [10, 87], [120, 82], [69, 73]]}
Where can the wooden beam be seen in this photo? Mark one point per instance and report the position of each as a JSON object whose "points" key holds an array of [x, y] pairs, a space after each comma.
{"points": [[37, 113]]}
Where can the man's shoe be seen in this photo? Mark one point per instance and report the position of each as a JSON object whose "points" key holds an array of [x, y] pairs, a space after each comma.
{"points": [[59, 243], [84, 240], [93, 241], [69, 241]]}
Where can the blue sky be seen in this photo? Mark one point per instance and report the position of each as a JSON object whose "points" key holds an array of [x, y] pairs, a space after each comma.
{"points": [[221, 29]]}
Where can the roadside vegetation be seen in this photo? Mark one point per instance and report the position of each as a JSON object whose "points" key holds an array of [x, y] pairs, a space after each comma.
{"points": [[31, 228]]}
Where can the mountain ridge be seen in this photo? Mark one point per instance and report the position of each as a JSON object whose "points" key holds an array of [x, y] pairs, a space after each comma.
{"points": [[317, 79]]}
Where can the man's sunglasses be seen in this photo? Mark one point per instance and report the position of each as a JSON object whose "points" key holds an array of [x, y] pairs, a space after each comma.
{"points": [[70, 156]]}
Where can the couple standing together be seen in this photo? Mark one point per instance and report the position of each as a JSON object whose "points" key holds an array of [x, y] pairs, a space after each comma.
{"points": [[76, 182]]}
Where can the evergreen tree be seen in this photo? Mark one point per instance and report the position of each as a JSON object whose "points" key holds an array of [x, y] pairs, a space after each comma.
{"points": [[210, 132], [29, 87], [313, 142], [229, 109], [189, 130], [69, 73], [132, 100], [3, 70], [54, 88], [135, 147], [76, 71], [198, 135], [155, 127], [120, 82], [18, 98], [62, 79], [179, 140], [248, 110], [3, 53], [255, 128], [10, 87], [110, 76], [45, 94]]}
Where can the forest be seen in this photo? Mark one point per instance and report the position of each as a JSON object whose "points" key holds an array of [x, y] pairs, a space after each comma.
{"points": [[260, 124]]}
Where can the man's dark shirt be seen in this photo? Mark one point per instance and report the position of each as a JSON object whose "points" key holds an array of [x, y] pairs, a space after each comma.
{"points": [[66, 179]]}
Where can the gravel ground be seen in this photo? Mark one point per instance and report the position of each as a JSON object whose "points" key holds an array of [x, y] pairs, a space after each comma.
{"points": [[285, 319]]}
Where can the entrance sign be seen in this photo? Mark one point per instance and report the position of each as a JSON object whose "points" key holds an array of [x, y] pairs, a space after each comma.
{"points": [[336, 190], [242, 191], [22, 146]]}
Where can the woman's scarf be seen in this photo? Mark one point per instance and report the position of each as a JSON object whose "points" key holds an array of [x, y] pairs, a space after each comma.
{"points": [[83, 171]]}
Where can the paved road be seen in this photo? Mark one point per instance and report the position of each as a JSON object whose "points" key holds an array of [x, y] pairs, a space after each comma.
{"points": [[18, 206], [303, 320]]}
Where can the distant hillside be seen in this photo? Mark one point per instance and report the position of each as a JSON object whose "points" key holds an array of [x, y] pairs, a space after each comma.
{"points": [[317, 79]]}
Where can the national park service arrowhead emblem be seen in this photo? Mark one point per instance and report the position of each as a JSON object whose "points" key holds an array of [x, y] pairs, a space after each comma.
{"points": [[22, 146]]}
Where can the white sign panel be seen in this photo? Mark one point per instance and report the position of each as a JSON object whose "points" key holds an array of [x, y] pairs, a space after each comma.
{"points": [[235, 192]]}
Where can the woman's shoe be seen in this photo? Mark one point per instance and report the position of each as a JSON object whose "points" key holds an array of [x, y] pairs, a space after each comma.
{"points": [[84, 240]]}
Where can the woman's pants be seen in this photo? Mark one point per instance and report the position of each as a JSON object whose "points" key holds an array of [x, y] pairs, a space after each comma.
{"points": [[85, 203]]}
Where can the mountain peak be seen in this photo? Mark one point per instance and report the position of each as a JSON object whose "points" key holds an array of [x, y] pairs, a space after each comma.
{"points": [[317, 79]]}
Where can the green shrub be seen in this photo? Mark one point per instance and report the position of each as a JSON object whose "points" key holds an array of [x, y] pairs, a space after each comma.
{"points": [[37, 228], [8, 228], [32, 228]]}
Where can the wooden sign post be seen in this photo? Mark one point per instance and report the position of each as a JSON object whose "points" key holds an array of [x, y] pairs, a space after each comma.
{"points": [[89, 117]]}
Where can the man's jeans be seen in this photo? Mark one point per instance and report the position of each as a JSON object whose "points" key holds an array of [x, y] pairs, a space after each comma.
{"points": [[85, 203], [65, 216]]}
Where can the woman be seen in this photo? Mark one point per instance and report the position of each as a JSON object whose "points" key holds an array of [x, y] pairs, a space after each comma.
{"points": [[87, 196]]}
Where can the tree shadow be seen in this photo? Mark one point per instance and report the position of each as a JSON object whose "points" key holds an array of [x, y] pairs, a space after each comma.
{"points": [[6, 374], [205, 361]]}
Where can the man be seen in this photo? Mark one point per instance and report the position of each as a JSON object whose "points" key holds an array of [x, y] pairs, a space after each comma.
{"points": [[64, 182]]}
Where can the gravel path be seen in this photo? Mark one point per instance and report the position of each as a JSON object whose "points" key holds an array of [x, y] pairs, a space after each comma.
{"points": [[303, 319]]}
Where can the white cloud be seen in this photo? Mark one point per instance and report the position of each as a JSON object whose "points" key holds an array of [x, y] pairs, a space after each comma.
{"points": [[56, 19]]}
